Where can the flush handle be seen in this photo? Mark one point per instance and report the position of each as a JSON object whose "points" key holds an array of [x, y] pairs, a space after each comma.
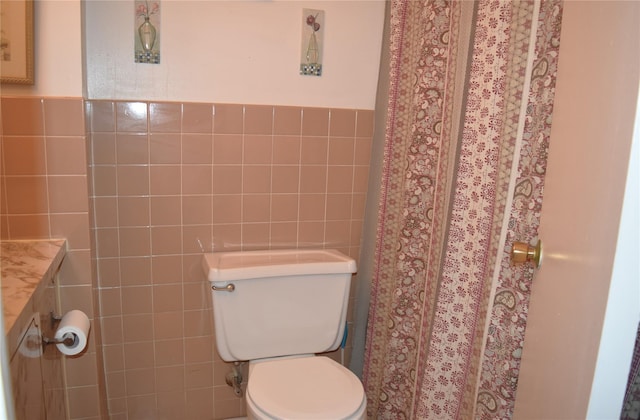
{"points": [[228, 288], [522, 252]]}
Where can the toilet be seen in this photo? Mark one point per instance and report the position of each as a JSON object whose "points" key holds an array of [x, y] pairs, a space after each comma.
{"points": [[277, 309]]}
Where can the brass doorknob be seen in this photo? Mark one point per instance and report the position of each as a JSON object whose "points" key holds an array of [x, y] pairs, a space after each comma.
{"points": [[522, 252]]}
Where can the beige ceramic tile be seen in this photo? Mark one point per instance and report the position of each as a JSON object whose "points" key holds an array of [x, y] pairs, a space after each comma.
{"points": [[133, 180], [107, 242], [165, 180], [165, 117], [197, 118], [76, 268], [133, 211], [64, 117], [72, 226], [164, 148], [24, 155], [167, 269], [66, 156], [169, 352], [103, 148], [138, 355], [170, 379], [342, 122], [135, 271], [284, 207], [137, 328], [196, 295], [165, 211], [196, 179], [227, 237], [257, 149], [285, 179], [315, 122], [131, 117], [199, 403], [28, 226], [198, 350], [136, 300], [228, 119], [104, 181], [256, 179], [196, 239], [313, 179], [255, 236], [140, 382], [314, 150], [169, 325], [197, 148], [341, 151], [199, 375], [198, 323], [141, 406], [256, 208], [340, 179], [113, 357], [166, 240], [22, 116], [338, 207], [227, 208], [81, 371], [286, 149], [132, 148], [103, 116], [287, 120], [68, 193], [227, 149], [338, 233], [363, 151], [284, 235], [134, 241], [258, 119], [83, 402], [112, 333], [312, 207], [171, 404], [167, 298], [196, 209], [310, 233], [227, 179], [365, 124], [26, 194], [108, 272]]}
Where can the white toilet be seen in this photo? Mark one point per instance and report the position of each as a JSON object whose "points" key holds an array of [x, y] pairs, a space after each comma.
{"points": [[276, 309]]}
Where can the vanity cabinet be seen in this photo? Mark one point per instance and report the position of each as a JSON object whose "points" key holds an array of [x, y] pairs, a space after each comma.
{"points": [[26, 374], [30, 296]]}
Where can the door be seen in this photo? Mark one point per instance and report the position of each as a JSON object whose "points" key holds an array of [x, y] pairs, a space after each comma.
{"points": [[596, 96]]}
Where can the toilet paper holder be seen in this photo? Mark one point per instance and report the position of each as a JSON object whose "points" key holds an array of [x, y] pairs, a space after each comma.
{"points": [[68, 339]]}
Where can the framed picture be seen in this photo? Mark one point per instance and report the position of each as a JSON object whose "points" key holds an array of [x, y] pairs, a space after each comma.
{"points": [[16, 41]]}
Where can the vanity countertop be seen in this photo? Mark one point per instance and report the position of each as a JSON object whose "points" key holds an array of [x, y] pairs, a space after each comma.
{"points": [[25, 265]]}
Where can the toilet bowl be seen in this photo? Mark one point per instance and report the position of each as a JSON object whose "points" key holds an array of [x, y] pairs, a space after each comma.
{"points": [[276, 309], [312, 388]]}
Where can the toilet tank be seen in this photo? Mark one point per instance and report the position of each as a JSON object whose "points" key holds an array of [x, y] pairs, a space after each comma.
{"points": [[279, 302]]}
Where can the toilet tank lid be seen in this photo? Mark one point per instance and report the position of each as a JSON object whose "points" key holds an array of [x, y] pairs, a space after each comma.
{"points": [[227, 266]]}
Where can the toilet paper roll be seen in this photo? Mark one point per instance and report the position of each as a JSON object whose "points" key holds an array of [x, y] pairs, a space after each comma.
{"points": [[74, 324]]}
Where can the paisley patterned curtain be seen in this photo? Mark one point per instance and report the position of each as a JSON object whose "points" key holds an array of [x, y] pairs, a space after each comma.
{"points": [[469, 114]]}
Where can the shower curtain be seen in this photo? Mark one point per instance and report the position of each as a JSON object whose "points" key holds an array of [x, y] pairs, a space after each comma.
{"points": [[468, 119]]}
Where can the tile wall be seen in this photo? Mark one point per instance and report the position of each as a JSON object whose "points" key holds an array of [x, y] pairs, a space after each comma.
{"points": [[173, 180], [44, 194]]}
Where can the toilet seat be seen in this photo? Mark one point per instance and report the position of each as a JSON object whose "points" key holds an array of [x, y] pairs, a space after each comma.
{"points": [[308, 387]]}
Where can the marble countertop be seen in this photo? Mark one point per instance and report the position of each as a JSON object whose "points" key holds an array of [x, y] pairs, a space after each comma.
{"points": [[24, 265]]}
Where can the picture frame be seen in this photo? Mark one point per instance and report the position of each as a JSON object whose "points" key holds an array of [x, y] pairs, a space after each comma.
{"points": [[16, 42]]}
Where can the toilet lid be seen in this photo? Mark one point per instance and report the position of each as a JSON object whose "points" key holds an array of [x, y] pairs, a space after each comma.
{"points": [[304, 388]]}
